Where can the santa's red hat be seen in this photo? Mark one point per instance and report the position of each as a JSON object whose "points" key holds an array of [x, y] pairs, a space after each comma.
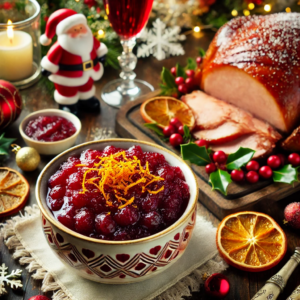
{"points": [[59, 22]]}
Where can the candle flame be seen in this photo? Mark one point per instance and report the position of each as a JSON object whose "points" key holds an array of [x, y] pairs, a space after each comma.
{"points": [[10, 32]]}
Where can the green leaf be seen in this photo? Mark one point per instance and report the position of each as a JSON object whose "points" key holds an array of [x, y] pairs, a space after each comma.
{"points": [[187, 133], [191, 64], [286, 174], [201, 52], [220, 180], [5, 144], [155, 128], [167, 78], [180, 71], [239, 159], [195, 154]]}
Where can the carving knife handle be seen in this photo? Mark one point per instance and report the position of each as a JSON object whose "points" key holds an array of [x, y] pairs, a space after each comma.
{"points": [[275, 285]]}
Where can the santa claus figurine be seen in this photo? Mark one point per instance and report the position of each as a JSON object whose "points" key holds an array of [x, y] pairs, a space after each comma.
{"points": [[73, 62]]}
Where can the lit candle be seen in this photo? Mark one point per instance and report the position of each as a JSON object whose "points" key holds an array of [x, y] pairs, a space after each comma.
{"points": [[15, 54]]}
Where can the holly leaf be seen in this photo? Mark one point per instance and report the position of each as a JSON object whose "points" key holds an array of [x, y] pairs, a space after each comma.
{"points": [[201, 52], [220, 180], [191, 64], [195, 154], [239, 159], [187, 134], [286, 174], [5, 144], [157, 130], [180, 71], [167, 78]]}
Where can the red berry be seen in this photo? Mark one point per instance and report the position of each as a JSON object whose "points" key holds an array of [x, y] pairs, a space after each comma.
{"points": [[219, 157], [274, 162], [127, 216], [179, 80], [190, 73], [174, 95], [169, 130], [202, 143], [252, 165], [252, 177], [176, 139], [180, 130], [189, 82], [182, 89], [84, 221], [105, 224], [294, 159], [199, 60], [175, 122], [265, 172], [237, 175], [210, 168], [292, 214], [173, 71]]}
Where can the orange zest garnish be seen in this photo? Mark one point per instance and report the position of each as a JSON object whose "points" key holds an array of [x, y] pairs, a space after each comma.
{"points": [[116, 171]]}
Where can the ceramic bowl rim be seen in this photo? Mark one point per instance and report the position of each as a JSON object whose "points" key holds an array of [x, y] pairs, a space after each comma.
{"points": [[156, 236], [51, 110]]}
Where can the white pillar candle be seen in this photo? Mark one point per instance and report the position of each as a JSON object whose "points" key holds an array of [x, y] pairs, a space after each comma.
{"points": [[15, 56]]}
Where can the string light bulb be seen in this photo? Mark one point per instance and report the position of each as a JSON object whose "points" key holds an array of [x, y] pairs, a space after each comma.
{"points": [[267, 7], [101, 33], [288, 10], [197, 29], [251, 6], [246, 12], [77, 0], [234, 13]]}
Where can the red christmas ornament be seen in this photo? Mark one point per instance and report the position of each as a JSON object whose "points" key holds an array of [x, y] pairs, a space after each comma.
{"points": [[292, 214], [39, 297], [10, 103], [217, 286], [90, 3]]}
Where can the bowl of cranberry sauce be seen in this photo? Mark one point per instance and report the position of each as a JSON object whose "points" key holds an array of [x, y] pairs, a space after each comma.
{"points": [[128, 206], [50, 131]]}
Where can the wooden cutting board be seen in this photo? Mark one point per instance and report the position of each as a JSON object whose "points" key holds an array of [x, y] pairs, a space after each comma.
{"points": [[129, 124]]}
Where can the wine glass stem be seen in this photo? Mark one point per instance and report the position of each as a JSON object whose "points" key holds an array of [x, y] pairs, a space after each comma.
{"points": [[128, 63]]}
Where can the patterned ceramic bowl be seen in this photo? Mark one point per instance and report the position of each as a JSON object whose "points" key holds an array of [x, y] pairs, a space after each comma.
{"points": [[118, 262]]}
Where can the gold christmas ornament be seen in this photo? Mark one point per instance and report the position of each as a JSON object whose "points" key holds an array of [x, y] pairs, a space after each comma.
{"points": [[27, 158]]}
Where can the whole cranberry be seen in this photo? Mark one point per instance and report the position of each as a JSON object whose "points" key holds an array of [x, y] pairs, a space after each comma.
{"points": [[84, 221], [127, 216], [151, 220], [176, 139], [174, 95], [179, 80], [219, 157], [66, 216], [210, 168], [237, 175], [199, 60], [175, 122], [252, 177], [202, 143], [39, 297], [150, 203], [169, 130], [190, 73], [189, 82], [105, 224], [182, 89], [274, 162], [265, 172], [173, 71], [294, 159], [180, 130], [252, 165]]}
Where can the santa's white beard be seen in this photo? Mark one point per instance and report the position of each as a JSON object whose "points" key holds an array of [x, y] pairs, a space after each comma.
{"points": [[81, 45]]}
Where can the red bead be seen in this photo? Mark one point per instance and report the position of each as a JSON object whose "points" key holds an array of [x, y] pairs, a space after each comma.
{"points": [[175, 122], [294, 159], [217, 286], [179, 80], [265, 172], [176, 139], [199, 60], [190, 73], [182, 89], [219, 157], [169, 130], [173, 71], [180, 130], [252, 177], [210, 168], [202, 143], [237, 175], [252, 165], [274, 162]]}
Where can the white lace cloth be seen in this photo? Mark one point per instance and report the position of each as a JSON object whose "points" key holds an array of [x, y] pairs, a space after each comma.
{"points": [[24, 235]]}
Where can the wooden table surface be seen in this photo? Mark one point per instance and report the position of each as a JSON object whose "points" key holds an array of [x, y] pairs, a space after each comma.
{"points": [[243, 285]]}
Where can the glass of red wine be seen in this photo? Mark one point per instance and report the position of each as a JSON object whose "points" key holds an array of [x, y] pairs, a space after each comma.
{"points": [[128, 18]]}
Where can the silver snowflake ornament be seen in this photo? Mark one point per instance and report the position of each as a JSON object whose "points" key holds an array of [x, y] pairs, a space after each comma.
{"points": [[11, 280], [161, 41]]}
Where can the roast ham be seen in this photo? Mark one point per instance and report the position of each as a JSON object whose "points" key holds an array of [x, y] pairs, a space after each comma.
{"points": [[254, 63]]}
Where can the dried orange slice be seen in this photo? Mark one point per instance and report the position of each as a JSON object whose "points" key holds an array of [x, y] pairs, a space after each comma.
{"points": [[251, 241], [161, 110], [14, 191]]}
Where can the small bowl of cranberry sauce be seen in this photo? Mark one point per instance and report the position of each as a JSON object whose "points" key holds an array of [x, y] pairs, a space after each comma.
{"points": [[50, 131], [128, 202]]}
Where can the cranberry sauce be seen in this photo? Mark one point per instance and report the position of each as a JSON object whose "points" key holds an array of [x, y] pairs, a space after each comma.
{"points": [[49, 129], [117, 194]]}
